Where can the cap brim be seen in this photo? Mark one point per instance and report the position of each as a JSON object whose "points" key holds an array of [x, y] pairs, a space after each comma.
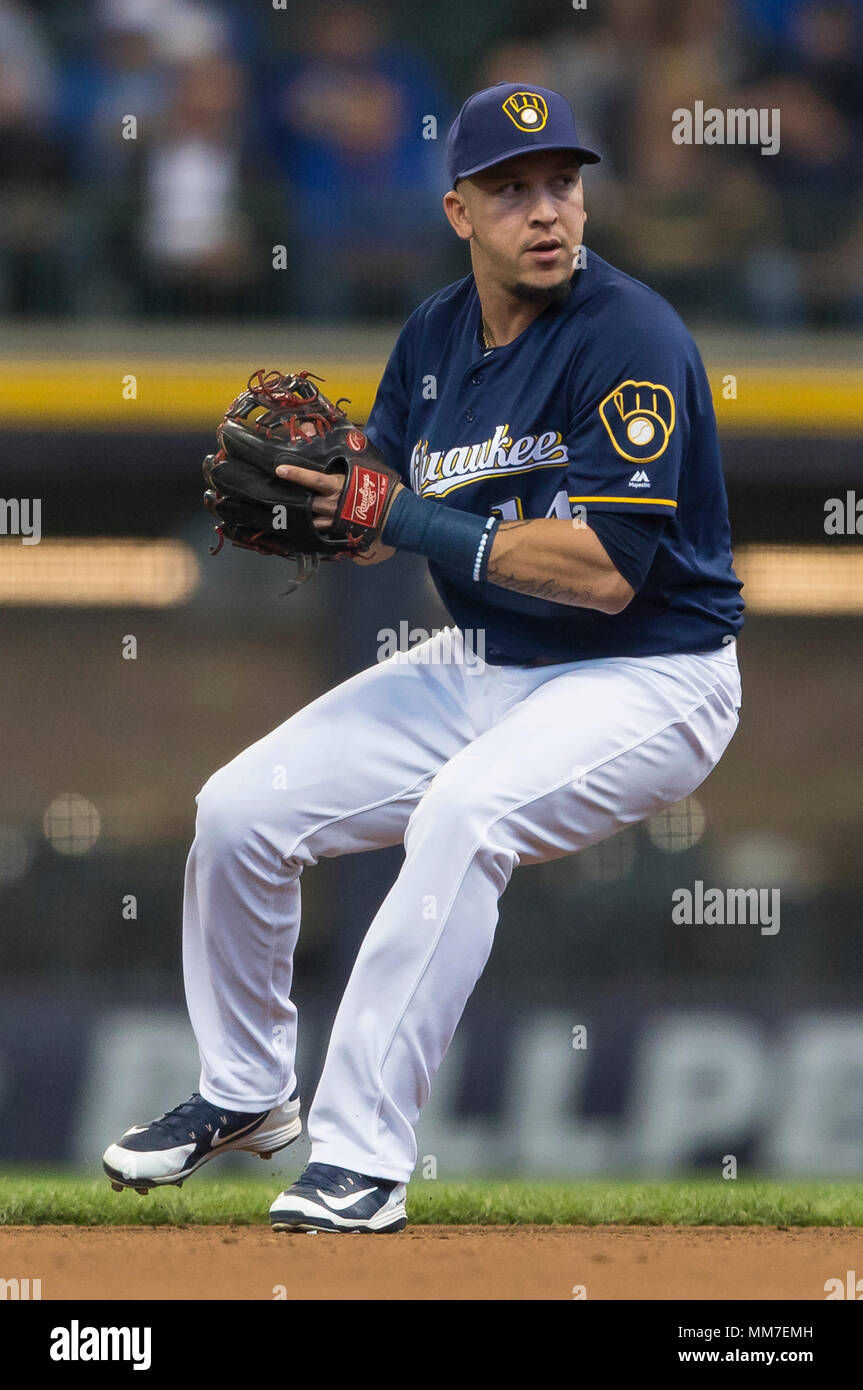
{"points": [[584, 156]]}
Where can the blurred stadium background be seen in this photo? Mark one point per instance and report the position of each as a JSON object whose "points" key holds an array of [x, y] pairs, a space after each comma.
{"points": [[141, 281]]}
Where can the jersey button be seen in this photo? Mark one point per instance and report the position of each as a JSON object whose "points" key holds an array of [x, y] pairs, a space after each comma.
{"points": [[476, 379], [469, 416]]}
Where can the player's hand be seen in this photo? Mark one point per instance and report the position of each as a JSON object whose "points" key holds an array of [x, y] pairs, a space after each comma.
{"points": [[374, 555], [328, 487]]}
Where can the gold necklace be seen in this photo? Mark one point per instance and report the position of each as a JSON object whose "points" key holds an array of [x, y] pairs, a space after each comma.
{"points": [[487, 340]]}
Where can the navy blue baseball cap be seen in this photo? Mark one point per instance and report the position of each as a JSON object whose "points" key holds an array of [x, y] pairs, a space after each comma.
{"points": [[507, 120]]}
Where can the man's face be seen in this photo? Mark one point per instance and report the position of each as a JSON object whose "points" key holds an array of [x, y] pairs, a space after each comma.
{"points": [[524, 219]]}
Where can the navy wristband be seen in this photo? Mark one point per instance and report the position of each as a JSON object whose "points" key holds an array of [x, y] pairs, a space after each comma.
{"points": [[460, 541]]}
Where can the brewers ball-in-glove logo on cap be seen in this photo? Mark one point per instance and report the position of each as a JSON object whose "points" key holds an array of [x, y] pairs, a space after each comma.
{"points": [[527, 110], [509, 119], [639, 417]]}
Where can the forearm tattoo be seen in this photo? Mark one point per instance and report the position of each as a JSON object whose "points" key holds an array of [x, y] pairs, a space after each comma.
{"points": [[551, 589], [554, 590]]}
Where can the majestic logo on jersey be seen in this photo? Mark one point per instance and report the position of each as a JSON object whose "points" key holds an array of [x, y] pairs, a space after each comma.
{"points": [[639, 479], [436, 472], [527, 110], [640, 419]]}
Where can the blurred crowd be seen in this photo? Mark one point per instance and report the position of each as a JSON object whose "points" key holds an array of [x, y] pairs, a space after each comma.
{"points": [[227, 158]]}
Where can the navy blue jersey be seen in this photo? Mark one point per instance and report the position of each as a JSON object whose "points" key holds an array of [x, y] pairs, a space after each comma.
{"points": [[601, 405]]}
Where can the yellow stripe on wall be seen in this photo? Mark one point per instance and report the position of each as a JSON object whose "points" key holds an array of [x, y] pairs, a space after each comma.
{"points": [[784, 400], [88, 393], [801, 580], [168, 394], [98, 572]]}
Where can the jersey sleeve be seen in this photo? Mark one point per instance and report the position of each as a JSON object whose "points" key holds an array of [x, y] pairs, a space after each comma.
{"points": [[629, 425], [386, 426], [629, 541]]}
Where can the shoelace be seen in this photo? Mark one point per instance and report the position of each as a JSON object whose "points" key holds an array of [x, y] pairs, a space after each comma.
{"points": [[334, 1179], [176, 1122]]}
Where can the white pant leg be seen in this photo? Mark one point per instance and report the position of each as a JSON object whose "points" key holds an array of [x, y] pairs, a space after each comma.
{"points": [[573, 755], [341, 775]]}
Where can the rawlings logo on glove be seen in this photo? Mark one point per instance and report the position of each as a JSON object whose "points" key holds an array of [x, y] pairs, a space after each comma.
{"points": [[365, 502]]}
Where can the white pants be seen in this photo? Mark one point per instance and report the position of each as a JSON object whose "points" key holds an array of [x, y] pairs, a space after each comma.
{"points": [[477, 769]]}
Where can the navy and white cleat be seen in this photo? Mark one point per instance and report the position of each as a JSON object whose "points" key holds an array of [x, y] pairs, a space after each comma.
{"points": [[168, 1150], [334, 1199]]}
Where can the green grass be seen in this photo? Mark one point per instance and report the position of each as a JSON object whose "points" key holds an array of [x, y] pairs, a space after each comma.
{"points": [[62, 1199]]}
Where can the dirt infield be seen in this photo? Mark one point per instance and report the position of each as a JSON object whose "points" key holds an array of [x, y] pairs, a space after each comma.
{"points": [[436, 1262]]}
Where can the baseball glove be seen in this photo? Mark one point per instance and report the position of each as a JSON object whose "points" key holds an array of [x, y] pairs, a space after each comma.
{"points": [[287, 420]]}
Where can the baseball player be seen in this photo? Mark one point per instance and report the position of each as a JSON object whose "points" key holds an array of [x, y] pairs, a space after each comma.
{"points": [[545, 437]]}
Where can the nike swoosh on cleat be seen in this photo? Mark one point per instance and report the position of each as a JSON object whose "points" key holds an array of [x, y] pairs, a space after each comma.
{"points": [[217, 1139], [340, 1203]]}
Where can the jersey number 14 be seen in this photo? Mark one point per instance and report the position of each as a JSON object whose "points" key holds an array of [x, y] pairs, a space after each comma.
{"points": [[512, 509]]}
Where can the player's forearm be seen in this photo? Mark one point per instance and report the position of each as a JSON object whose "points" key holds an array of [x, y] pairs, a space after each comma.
{"points": [[554, 560], [548, 558]]}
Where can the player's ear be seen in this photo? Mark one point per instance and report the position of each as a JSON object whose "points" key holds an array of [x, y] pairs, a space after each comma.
{"points": [[457, 214]]}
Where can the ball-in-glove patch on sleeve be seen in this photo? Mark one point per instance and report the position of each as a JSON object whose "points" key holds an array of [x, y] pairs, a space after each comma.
{"points": [[287, 420]]}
